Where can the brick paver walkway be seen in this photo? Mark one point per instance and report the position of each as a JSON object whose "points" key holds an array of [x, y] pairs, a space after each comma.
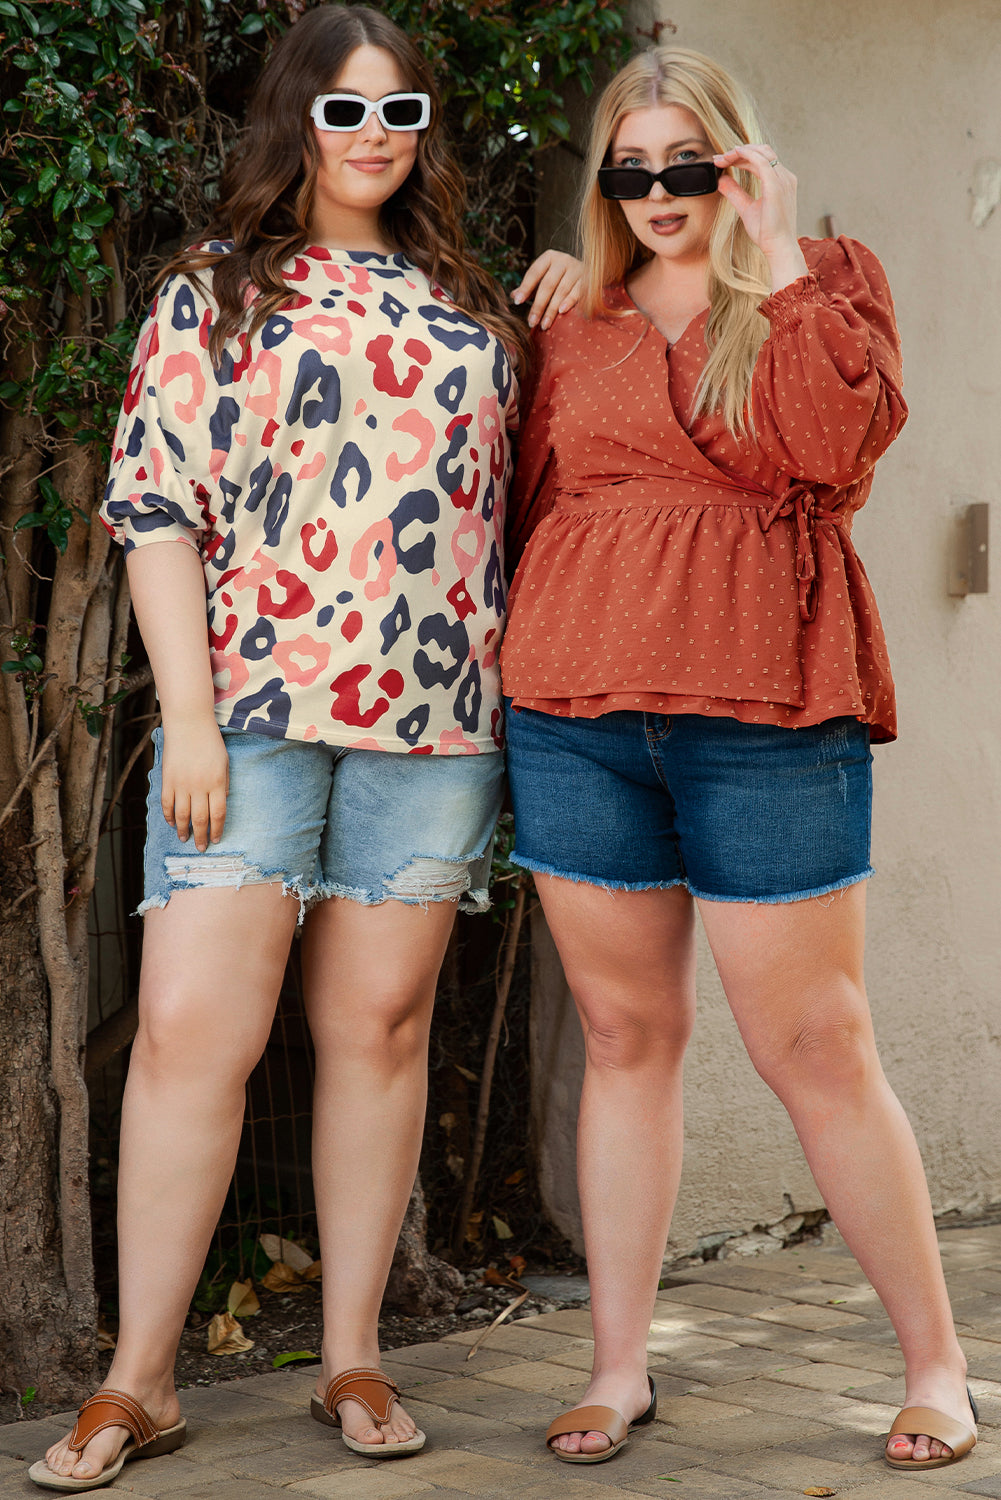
{"points": [[776, 1375]]}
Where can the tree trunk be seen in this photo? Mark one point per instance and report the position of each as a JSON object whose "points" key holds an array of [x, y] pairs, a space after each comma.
{"points": [[46, 1332]]}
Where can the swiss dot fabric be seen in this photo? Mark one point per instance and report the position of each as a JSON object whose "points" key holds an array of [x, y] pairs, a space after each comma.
{"points": [[670, 567]]}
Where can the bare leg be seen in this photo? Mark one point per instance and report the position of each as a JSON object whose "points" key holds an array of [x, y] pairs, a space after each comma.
{"points": [[793, 977], [212, 968], [630, 962], [370, 975]]}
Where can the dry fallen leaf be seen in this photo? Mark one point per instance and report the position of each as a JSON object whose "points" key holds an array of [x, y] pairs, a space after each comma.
{"points": [[282, 1278], [225, 1336], [242, 1301], [819, 1489], [105, 1340], [493, 1277], [287, 1250], [313, 1272]]}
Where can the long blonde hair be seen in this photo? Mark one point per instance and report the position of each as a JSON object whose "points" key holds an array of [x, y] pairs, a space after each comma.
{"points": [[738, 272]]}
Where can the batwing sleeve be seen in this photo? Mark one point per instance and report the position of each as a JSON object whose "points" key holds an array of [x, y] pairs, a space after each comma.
{"points": [[159, 486], [826, 393]]}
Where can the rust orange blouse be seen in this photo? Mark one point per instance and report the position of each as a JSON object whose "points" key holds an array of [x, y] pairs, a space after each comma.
{"points": [[673, 568]]}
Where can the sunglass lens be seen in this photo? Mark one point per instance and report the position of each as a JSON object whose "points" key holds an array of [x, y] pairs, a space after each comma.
{"points": [[403, 114], [624, 182], [691, 180], [343, 114]]}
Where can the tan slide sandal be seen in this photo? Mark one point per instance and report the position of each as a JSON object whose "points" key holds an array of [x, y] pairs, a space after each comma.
{"points": [[374, 1390], [111, 1409], [598, 1419]]}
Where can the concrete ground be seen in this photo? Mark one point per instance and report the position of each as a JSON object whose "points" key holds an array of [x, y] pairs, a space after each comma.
{"points": [[777, 1375]]}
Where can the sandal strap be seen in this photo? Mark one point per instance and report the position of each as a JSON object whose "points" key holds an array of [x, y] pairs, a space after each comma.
{"points": [[373, 1389], [112, 1409], [914, 1420], [604, 1419]]}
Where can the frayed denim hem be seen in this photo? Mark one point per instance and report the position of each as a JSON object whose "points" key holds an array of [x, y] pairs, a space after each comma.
{"points": [[537, 868], [787, 900], [228, 876]]}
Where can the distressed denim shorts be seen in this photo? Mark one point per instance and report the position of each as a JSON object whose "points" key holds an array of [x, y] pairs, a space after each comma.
{"points": [[733, 812], [371, 825]]}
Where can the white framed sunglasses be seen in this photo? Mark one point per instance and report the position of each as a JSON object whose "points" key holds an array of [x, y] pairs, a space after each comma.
{"points": [[352, 111]]}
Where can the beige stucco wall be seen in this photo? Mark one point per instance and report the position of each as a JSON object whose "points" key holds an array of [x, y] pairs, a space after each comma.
{"points": [[887, 110]]}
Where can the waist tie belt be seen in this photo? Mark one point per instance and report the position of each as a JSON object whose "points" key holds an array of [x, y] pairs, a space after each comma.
{"points": [[800, 503]]}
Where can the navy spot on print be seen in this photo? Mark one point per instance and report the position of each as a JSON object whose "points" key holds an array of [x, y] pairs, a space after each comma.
{"points": [[493, 581], [350, 461], [413, 726], [395, 311], [453, 328], [272, 698], [260, 478], [184, 313], [325, 615], [232, 493], [469, 698], [136, 435], [453, 639], [345, 596], [314, 374], [276, 330], [258, 641], [173, 443], [222, 421], [277, 511], [450, 391], [394, 624], [502, 374], [451, 479], [418, 505]]}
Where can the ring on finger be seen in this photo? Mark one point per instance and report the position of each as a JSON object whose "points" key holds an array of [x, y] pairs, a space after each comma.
{"points": [[774, 162]]}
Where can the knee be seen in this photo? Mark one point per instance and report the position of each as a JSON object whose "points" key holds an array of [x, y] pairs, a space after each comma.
{"points": [[176, 1043], [626, 1043], [825, 1053], [388, 1028]]}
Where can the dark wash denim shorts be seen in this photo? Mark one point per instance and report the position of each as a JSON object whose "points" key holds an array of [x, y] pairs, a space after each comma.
{"points": [[733, 812]]}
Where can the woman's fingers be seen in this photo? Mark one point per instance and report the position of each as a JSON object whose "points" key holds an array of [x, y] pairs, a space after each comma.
{"points": [[555, 278]]}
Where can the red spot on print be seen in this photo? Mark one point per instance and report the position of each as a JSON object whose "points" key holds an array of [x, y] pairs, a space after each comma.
{"points": [[227, 599], [377, 352], [268, 435], [218, 639], [205, 328], [460, 599], [466, 499], [392, 683], [321, 559], [418, 351], [463, 420], [421, 750], [297, 447], [351, 628], [357, 307], [299, 271], [347, 700], [298, 600], [141, 474]]}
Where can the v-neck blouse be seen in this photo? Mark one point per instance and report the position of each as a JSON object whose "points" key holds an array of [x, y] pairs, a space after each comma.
{"points": [[671, 567]]}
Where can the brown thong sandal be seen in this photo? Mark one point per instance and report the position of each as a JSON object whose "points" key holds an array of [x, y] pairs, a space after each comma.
{"points": [[914, 1421], [111, 1409], [373, 1390], [603, 1419]]}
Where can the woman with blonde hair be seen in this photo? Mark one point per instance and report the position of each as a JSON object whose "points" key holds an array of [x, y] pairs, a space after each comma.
{"points": [[309, 478], [696, 666]]}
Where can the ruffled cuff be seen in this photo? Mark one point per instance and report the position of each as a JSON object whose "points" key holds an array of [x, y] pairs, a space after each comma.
{"points": [[784, 308]]}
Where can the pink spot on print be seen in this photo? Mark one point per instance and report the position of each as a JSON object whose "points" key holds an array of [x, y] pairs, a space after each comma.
{"points": [[145, 349], [268, 435], [217, 462], [468, 542], [328, 334], [364, 547], [156, 459], [377, 352], [185, 364], [365, 742], [351, 626], [461, 600], [435, 577], [454, 742], [254, 574], [321, 559], [310, 732], [416, 425], [240, 438], [298, 600], [229, 674], [347, 701], [302, 660], [392, 683], [362, 283], [297, 447], [488, 420], [262, 397], [314, 467]]}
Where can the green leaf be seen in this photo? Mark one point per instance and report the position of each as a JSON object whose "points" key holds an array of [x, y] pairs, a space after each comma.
{"points": [[250, 24], [61, 202], [78, 163], [287, 1359], [67, 90], [9, 389], [47, 179]]}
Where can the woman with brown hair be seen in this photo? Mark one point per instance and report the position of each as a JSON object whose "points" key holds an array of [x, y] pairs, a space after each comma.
{"points": [[696, 665], [309, 478]]}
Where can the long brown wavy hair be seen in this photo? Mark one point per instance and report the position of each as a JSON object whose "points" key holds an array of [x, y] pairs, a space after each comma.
{"points": [[267, 187]]}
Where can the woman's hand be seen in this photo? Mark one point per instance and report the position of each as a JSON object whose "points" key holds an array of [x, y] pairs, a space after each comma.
{"points": [[556, 279], [195, 780], [769, 220]]}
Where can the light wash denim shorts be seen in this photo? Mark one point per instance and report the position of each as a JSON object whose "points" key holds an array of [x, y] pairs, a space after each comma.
{"points": [[371, 825], [734, 812]]}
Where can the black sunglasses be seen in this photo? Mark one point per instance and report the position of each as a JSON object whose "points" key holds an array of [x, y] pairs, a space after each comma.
{"points": [[688, 179]]}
